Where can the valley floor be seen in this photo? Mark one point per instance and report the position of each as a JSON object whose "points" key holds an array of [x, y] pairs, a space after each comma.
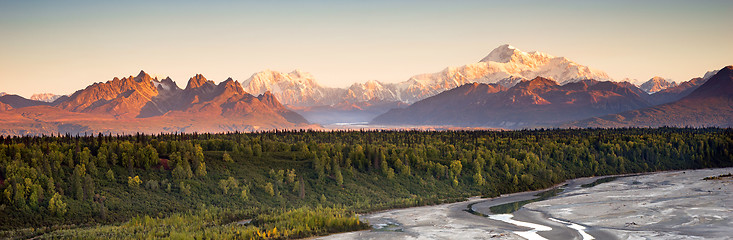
{"points": [[664, 205]]}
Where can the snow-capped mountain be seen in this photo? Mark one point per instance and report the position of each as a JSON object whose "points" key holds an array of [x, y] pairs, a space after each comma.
{"points": [[657, 84], [710, 74], [505, 65], [45, 97], [295, 88], [536, 102], [372, 89]]}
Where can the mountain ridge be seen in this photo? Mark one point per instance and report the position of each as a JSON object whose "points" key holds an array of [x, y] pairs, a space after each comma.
{"points": [[710, 104], [530, 103], [145, 104], [505, 64]]}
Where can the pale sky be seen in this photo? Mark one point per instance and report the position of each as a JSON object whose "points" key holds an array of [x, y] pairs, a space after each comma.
{"points": [[63, 46]]}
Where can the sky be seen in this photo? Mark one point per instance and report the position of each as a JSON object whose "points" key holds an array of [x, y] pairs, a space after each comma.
{"points": [[63, 46]]}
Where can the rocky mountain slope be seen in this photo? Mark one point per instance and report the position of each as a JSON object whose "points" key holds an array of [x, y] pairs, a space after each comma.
{"points": [[144, 104]]}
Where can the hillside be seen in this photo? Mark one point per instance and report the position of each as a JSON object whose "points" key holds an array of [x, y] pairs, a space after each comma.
{"points": [[711, 104], [538, 102]]}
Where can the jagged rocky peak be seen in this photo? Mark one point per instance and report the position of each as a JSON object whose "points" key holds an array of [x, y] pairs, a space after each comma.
{"points": [[169, 81], [266, 95], [142, 76], [197, 81], [232, 86], [166, 84], [538, 82], [268, 99]]}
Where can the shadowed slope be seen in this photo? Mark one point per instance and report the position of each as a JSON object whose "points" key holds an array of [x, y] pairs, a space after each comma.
{"points": [[711, 104]]}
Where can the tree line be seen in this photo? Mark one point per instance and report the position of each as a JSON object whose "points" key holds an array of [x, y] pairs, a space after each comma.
{"points": [[51, 181]]}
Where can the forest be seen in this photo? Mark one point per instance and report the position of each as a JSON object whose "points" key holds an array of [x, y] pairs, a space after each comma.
{"points": [[295, 184]]}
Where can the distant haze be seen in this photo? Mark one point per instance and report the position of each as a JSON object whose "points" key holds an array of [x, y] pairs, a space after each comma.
{"points": [[60, 46]]}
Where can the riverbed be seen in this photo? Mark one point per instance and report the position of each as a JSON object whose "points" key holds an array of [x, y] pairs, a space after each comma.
{"points": [[665, 205]]}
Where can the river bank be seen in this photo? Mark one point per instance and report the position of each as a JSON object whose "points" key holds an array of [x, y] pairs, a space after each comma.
{"points": [[663, 205], [448, 221], [666, 205]]}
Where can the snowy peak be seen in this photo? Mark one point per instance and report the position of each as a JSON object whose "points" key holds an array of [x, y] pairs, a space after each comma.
{"points": [[509, 54], [372, 84], [710, 74], [294, 88], [505, 65], [298, 74], [372, 89], [502, 54], [44, 97], [511, 61], [656, 84], [270, 80]]}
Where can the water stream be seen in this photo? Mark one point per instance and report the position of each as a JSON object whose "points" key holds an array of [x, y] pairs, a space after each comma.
{"points": [[531, 234]]}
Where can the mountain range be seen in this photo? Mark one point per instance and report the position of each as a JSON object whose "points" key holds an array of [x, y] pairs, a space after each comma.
{"points": [[709, 105], [144, 104], [508, 88], [543, 102], [535, 102], [505, 65]]}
